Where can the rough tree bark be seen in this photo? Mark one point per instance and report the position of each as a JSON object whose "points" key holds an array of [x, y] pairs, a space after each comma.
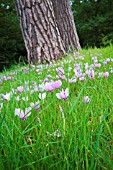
{"points": [[66, 25], [43, 36]]}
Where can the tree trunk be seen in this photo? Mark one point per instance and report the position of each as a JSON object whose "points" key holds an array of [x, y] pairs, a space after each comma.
{"points": [[41, 35], [46, 35], [66, 25]]}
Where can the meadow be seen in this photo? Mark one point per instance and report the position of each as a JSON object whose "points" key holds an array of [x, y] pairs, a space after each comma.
{"points": [[58, 115]]}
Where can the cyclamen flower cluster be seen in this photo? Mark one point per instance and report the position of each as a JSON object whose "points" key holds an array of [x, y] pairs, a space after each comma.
{"points": [[52, 85], [49, 85]]}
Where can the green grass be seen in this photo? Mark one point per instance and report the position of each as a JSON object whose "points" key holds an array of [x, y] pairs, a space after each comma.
{"points": [[84, 132]]}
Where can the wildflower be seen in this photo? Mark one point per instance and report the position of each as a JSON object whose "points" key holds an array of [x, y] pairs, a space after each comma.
{"points": [[86, 99], [36, 88], [36, 105], [82, 78], [9, 78], [57, 133], [46, 80], [49, 76], [63, 94], [92, 74], [86, 65], [108, 60], [41, 87], [6, 96], [20, 89], [33, 83], [87, 72], [42, 96], [4, 78], [23, 115], [36, 108], [48, 87], [26, 70], [72, 80], [106, 75], [105, 62], [32, 104], [57, 84], [97, 65], [95, 59]]}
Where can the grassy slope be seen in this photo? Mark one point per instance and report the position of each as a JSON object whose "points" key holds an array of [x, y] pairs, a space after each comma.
{"points": [[84, 132]]}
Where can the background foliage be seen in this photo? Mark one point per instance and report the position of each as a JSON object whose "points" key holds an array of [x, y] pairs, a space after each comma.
{"points": [[12, 48], [93, 18], [94, 21]]}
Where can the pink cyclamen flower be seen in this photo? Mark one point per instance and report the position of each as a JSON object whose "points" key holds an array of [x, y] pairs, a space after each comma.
{"points": [[46, 80], [4, 78], [32, 104], [36, 108], [87, 72], [49, 76], [72, 80], [20, 89], [36, 105], [92, 74], [23, 115], [106, 75], [82, 78], [48, 87], [97, 65], [86, 99], [56, 84], [105, 62], [108, 60], [33, 83], [9, 78], [63, 94], [7, 96]]}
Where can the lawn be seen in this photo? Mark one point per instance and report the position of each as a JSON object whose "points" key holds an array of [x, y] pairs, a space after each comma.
{"points": [[58, 115]]}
